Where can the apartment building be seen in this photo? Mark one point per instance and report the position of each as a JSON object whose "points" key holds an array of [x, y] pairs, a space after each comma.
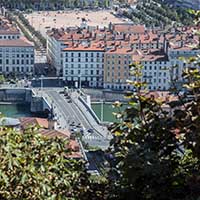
{"points": [[116, 68], [56, 42], [74, 51], [155, 69], [83, 65], [16, 52]]}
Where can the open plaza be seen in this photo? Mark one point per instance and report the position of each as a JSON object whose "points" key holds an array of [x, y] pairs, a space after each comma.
{"points": [[45, 20]]}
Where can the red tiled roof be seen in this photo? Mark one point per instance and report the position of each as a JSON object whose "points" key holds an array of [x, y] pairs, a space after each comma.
{"points": [[33, 121], [136, 29]]}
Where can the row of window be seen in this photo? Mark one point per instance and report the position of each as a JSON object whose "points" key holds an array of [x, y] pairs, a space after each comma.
{"points": [[84, 60], [97, 79], [117, 74], [17, 62], [9, 37], [86, 72], [155, 74], [12, 49], [155, 62], [18, 55], [17, 69], [121, 87], [67, 54], [85, 66]]}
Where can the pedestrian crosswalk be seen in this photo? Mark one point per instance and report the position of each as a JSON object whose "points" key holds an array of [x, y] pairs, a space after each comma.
{"points": [[92, 137]]}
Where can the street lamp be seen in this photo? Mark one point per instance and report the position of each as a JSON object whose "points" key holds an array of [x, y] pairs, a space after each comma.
{"points": [[102, 110], [41, 83], [79, 81]]}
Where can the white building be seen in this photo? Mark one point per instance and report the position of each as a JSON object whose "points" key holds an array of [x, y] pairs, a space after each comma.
{"points": [[83, 65], [16, 57], [16, 52]]}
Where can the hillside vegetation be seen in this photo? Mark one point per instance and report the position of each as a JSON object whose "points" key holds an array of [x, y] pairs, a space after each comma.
{"points": [[54, 4], [157, 13]]}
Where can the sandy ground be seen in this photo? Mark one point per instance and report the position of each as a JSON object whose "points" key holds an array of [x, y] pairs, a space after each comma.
{"points": [[44, 20]]}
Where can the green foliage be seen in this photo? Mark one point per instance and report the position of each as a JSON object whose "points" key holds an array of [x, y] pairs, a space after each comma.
{"points": [[2, 79], [156, 13], [156, 146], [151, 161], [55, 4], [34, 167]]}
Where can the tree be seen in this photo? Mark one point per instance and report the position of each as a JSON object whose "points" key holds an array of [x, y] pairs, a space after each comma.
{"points": [[156, 152], [34, 167], [2, 79]]}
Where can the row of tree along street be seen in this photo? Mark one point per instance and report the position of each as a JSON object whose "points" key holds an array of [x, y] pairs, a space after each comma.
{"points": [[54, 4]]}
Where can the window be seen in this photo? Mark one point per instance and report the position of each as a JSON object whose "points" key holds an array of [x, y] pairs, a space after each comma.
{"points": [[7, 61], [91, 72]]}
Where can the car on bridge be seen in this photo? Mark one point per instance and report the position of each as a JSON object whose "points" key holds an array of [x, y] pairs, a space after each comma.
{"points": [[90, 130]]}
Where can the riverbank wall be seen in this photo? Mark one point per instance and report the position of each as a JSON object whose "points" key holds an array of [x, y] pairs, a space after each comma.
{"points": [[38, 104]]}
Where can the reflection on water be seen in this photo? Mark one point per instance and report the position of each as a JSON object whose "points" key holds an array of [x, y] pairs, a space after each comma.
{"points": [[15, 110], [107, 111]]}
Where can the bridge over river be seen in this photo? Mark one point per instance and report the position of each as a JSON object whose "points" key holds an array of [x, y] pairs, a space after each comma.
{"points": [[73, 115]]}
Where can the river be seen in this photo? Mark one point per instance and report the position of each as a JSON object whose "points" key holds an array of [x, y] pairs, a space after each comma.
{"points": [[107, 111], [15, 110]]}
